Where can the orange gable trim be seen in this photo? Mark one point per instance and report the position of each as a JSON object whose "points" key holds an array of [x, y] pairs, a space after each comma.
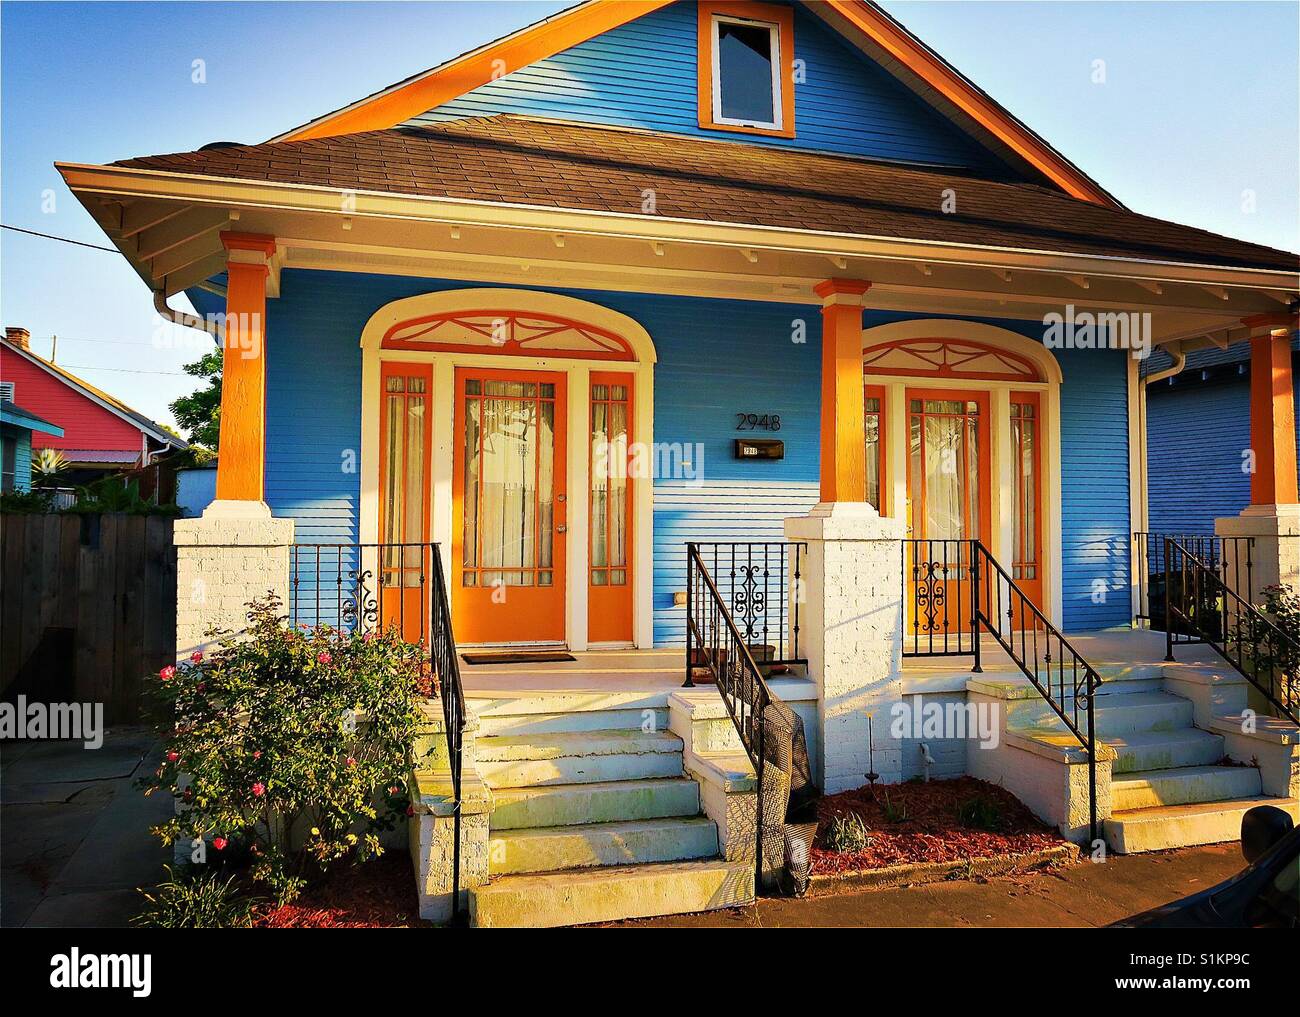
{"points": [[909, 51], [442, 84], [451, 80]]}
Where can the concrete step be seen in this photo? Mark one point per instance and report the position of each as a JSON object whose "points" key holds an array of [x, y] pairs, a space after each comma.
{"points": [[636, 842], [1185, 785], [577, 758], [605, 895], [1115, 715], [1170, 826], [1164, 750], [611, 801], [648, 719]]}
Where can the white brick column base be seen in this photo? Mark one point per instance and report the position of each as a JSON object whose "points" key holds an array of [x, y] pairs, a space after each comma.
{"points": [[1275, 556], [235, 552], [851, 626]]}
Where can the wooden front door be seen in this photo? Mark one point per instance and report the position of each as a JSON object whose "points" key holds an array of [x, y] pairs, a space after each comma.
{"points": [[509, 507], [948, 498]]}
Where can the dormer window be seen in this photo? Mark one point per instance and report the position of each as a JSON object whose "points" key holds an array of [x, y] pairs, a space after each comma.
{"points": [[746, 63]]}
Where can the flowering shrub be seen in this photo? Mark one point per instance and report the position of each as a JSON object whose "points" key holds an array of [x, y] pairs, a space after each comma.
{"points": [[290, 748]]}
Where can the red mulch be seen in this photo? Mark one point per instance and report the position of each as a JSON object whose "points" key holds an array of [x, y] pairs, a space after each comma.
{"points": [[931, 832], [379, 894]]}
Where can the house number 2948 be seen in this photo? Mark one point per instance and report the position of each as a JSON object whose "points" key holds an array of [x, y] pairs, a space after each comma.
{"points": [[758, 421]]}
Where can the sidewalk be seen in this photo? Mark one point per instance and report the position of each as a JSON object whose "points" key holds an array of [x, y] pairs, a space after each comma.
{"points": [[74, 831], [1081, 895]]}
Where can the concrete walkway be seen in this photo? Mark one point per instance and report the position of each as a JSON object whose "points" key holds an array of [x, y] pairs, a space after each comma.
{"points": [[1082, 895], [74, 831]]}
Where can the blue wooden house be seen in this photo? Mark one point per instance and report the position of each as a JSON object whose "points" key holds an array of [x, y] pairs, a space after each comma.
{"points": [[647, 274]]}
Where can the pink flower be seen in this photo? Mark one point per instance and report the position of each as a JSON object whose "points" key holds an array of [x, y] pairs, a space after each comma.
{"points": [[369, 637], [323, 657], [219, 843], [351, 761], [201, 686], [394, 789], [259, 789], [168, 673], [196, 657], [173, 756], [410, 810], [257, 753]]}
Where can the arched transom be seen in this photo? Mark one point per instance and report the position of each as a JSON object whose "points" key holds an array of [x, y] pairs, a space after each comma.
{"points": [[947, 358], [508, 332]]}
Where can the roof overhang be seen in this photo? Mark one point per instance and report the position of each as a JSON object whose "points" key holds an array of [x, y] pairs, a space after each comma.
{"points": [[16, 416], [168, 224]]}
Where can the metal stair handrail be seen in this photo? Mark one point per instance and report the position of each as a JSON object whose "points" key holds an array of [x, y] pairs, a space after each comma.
{"points": [[1211, 597], [446, 666], [714, 641], [996, 597]]}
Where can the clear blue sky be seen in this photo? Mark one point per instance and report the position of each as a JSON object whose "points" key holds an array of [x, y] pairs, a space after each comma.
{"points": [[1199, 104]]}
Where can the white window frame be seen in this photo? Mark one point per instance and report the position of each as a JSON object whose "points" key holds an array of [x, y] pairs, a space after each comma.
{"points": [[774, 30]]}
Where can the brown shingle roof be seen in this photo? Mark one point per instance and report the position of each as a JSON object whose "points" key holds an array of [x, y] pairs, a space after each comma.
{"points": [[557, 164]]}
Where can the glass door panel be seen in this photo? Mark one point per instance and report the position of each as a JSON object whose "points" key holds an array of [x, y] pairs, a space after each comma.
{"points": [[609, 595], [509, 500]]}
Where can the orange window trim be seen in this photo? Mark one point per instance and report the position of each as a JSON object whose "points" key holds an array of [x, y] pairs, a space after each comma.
{"points": [[783, 18], [604, 378], [425, 373]]}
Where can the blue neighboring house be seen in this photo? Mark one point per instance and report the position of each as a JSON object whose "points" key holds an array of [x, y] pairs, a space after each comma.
{"points": [[16, 427]]}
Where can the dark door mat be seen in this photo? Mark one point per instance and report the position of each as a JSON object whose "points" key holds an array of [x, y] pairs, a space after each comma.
{"points": [[518, 657]]}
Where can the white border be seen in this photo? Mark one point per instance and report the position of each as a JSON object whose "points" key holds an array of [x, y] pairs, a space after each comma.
{"points": [[577, 376], [774, 29]]}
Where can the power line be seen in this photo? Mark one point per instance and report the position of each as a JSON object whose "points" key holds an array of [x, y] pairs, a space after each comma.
{"points": [[64, 240], [123, 370]]}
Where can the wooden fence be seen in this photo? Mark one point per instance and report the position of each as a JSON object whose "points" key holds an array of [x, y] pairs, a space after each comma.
{"points": [[87, 608]]}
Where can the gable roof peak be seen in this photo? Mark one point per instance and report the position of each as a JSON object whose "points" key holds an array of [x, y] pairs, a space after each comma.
{"points": [[863, 23]]}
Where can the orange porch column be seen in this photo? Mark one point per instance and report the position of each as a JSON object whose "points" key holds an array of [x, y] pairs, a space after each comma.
{"points": [[1272, 412], [843, 452], [241, 459]]}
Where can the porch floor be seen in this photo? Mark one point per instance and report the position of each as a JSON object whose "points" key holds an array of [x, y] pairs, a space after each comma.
{"points": [[591, 671], [661, 670], [1104, 650]]}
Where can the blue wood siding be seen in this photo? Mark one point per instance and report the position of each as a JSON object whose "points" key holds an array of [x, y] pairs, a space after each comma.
{"points": [[1197, 430], [1095, 523], [643, 74], [22, 455], [717, 358]]}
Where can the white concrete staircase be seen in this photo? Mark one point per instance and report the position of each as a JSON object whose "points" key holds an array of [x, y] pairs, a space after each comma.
{"points": [[593, 817], [1172, 783]]}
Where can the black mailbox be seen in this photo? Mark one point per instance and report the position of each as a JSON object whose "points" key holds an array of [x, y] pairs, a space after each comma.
{"points": [[760, 448]]}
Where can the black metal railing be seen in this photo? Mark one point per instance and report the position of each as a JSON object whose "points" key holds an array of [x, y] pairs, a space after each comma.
{"points": [[1202, 608], [1231, 557], [1056, 669], [936, 586], [377, 587], [769, 730], [760, 582], [954, 589]]}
